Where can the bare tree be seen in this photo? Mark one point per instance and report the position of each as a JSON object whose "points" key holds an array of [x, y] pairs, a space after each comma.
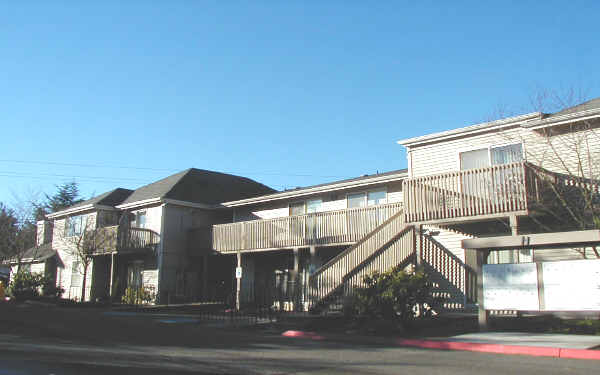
{"points": [[86, 241], [566, 158]]}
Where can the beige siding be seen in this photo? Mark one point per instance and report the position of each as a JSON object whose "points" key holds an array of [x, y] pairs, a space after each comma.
{"points": [[450, 240], [153, 217], [66, 252], [443, 156], [332, 201]]}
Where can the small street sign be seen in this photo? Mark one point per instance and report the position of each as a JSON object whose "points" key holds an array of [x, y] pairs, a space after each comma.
{"points": [[238, 272]]}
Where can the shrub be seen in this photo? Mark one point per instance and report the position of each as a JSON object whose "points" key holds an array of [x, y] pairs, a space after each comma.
{"points": [[25, 285], [394, 295], [138, 296]]}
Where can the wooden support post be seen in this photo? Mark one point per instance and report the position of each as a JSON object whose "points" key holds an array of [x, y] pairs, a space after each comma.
{"points": [[483, 313], [296, 278], [514, 225], [238, 282], [205, 277], [314, 265], [418, 245], [112, 274]]}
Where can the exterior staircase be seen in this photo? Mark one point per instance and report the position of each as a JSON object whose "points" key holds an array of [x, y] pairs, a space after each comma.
{"points": [[390, 244]]}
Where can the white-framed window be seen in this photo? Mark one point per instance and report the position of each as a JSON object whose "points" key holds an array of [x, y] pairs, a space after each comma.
{"points": [[75, 225], [366, 198], [306, 207], [139, 220], [489, 156]]}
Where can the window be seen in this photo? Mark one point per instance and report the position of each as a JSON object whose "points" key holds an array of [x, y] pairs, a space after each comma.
{"points": [[306, 207], [75, 225], [376, 197], [297, 208], [140, 219], [495, 155], [314, 205], [370, 198], [356, 200], [76, 276]]}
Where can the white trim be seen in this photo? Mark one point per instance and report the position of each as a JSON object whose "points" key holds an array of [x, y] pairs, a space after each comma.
{"points": [[319, 189], [70, 211], [144, 202], [469, 130], [554, 120], [186, 204]]}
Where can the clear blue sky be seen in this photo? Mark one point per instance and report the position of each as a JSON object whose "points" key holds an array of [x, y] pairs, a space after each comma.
{"points": [[289, 93]]}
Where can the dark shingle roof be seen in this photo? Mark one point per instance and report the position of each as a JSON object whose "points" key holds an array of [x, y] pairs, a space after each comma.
{"points": [[586, 106], [200, 186], [110, 198], [38, 253]]}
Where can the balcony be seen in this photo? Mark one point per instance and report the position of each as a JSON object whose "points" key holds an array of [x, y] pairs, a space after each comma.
{"points": [[321, 228], [478, 194], [110, 240]]}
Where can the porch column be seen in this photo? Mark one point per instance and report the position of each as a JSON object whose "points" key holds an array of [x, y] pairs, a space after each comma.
{"points": [[418, 232], [296, 278], [238, 282], [514, 224], [483, 314], [205, 277], [112, 274]]}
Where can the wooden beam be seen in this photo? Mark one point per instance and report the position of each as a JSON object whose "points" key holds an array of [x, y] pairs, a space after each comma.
{"points": [[548, 240]]}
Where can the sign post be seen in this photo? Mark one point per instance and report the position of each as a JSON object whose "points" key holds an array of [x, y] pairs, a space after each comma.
{"points": [[238, 277]]}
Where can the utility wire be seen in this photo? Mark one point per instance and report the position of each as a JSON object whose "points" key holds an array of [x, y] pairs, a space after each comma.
{"points": [[157, 169]]}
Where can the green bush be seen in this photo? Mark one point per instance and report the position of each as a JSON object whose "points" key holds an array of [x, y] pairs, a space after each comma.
{"points": [[394, 295], [138, 296], [25, 285]]}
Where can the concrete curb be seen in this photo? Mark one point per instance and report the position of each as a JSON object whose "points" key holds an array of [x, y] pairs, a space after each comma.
{"points": [[540, 351], [302, 335]]}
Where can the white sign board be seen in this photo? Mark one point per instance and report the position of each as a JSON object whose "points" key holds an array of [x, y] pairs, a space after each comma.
{"points": [[238, 272], [510, 287], [572, 285]]}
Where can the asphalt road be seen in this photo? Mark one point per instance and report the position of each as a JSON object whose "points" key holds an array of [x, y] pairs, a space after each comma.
{"points": [[270, 355], [44, 339]]}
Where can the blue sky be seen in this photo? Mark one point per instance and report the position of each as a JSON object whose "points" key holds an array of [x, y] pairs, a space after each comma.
{"points": [[289, 93]]}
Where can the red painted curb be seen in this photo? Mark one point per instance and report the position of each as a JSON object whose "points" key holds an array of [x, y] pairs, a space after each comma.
{"points": [[302, 335], [503, 349], [580, 354]]}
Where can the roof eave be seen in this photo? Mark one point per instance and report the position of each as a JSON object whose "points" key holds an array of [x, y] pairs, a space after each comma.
{"points": [[315, 190], [142, 203], [469, 130], [70, 211], [555, 120]]}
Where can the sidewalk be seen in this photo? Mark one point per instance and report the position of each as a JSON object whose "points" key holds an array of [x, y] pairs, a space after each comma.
{"points": [[547, 345]]}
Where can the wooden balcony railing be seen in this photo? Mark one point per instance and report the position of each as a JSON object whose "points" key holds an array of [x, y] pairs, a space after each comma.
{"points": [[321, 228], [111, 239], [496, 190]]}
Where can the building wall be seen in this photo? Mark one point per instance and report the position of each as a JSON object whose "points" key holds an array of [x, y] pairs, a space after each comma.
{"points": [[332, 201], [443, 156], [66, 253], [179, 275]]}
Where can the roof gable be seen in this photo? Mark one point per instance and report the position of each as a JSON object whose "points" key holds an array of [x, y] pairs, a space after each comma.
{"points": [[199, 186]]}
